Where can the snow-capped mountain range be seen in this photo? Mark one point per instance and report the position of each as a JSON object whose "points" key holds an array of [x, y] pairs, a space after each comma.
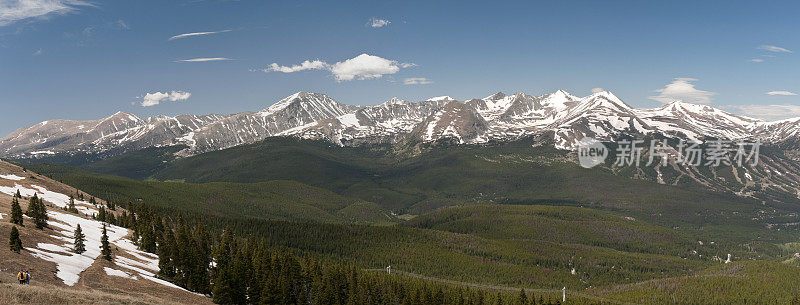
{"points": [[499, 117]]}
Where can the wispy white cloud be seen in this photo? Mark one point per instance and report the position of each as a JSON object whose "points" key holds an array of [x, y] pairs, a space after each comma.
{"points": [[179, 36], [204, 59], [769, 112], [781, 92], [305, 65], [682, 89], [775, 49], [37, 53], [155, 98], [417, 81], [378, 23], [12, 11], [122, 25], [756, 60], [598, 90], [361, 67]]}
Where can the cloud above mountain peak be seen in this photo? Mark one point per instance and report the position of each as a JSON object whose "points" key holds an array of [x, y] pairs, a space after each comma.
{"points": [[682, 89]]}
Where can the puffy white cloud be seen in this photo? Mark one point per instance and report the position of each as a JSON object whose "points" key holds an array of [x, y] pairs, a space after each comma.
{"points": [[682, 89], [781, 93], [152, 99], [204, 59], [775, 49], [179, 36], [12, 11], [378, 23], [305, 65], [598, 90], [769, 112], [361, 67], [417, 81]]}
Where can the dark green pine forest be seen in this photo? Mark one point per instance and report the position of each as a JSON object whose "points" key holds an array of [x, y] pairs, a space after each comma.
{"points": [[288, 221]]}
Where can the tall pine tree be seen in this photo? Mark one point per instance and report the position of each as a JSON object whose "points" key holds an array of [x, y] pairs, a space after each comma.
{"points": [[105, 249], [37, 211], [16, 212], [223, 293], [522, 299], [79, 239], [14, 242]]}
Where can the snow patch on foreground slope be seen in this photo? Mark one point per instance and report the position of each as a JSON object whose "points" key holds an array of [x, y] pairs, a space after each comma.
{"points": [[69, 265], [12, 177], [57, 199], [119, 273]]}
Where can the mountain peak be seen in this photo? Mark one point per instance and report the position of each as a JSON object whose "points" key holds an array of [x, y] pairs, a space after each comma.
{"points": [[496, 96], [394, 101], [123, 116], [607, 95], [301, 96], [563, 94]]}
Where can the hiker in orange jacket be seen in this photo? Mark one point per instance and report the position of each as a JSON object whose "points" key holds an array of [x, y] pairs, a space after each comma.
{"points": [[21, 277]]}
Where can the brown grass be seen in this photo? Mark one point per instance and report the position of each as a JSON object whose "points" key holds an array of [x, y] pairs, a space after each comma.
{"points": [[48, 294]]}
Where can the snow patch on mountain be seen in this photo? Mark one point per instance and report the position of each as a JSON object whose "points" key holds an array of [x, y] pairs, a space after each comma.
{"points": [[601, 115]]}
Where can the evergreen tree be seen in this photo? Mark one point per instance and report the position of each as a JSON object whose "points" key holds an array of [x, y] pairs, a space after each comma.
{"points": [[101, 214], [37, 211], [14, 241], [18, 195], [32, 201], [522, 299], [16, 212], [79, 239], [223, 293], [105, 249], [498, 300], [166, 253], [71, 206]]}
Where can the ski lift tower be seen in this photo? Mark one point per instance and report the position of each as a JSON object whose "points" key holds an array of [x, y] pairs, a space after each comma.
{"points": [[389, 269]]}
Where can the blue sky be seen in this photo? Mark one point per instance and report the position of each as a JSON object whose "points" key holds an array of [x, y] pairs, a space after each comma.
{"points": [[88, 59]]}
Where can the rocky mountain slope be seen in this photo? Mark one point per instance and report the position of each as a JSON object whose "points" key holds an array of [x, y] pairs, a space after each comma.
{"points": [[500, 117]]}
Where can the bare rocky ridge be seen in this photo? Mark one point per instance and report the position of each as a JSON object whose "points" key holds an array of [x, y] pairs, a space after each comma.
{"points": [[500, 117]]}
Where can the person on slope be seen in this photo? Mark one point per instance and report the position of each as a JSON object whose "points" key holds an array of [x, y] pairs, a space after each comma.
{"points": [[27, 277], [21, 277]]}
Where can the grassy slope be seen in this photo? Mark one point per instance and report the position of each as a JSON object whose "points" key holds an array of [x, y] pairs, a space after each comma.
{"points": [[48, 294]]}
